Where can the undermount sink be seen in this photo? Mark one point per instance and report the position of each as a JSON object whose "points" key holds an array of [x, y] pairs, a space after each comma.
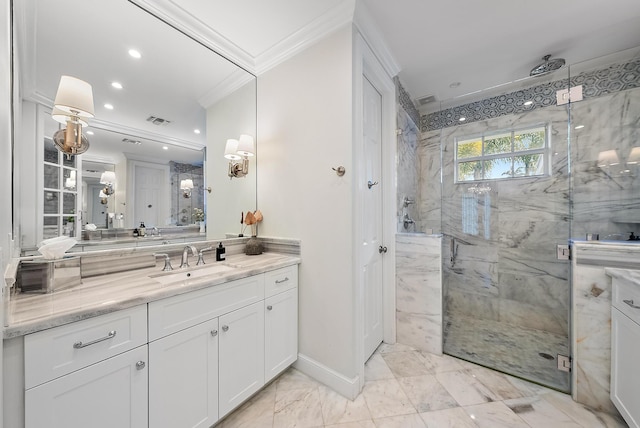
{"points": [[190, 273]]}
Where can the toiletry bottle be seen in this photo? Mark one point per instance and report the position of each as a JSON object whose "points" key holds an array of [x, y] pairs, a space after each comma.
{"points": [[220, 256], [135, 233], [142, 230]]}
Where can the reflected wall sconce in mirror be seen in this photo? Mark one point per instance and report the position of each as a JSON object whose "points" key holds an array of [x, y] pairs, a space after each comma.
{"points": [[186, 186], [103, 197], [70, 182], [238, 152], [108, 178], [72, 106]]}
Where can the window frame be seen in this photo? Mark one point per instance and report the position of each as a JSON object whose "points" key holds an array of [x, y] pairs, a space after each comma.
{"points": [[544, 151]]}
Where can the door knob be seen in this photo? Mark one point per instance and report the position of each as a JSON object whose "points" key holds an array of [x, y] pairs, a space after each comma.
{"points": [[382, 249]]}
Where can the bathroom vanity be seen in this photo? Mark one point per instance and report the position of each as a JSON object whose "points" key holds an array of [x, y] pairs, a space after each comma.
{"points": [[147, 348]]}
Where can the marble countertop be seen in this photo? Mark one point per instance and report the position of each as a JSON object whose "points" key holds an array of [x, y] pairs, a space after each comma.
{"points": [[28, 313], [631, 275]]}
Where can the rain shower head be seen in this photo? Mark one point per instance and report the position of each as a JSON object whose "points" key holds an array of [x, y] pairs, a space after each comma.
{"points": [[547, 66]]}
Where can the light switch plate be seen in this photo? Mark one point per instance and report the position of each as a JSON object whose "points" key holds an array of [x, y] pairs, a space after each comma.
{"points": [[574, 94]]}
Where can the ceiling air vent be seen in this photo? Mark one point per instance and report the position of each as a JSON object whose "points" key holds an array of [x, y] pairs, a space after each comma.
{"points": [[426, 100], [130, 141], [158, 120]]}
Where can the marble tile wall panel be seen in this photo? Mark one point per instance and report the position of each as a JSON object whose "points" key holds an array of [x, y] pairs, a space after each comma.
{"points": [[419, 292], [429, 182], [408, 168]]}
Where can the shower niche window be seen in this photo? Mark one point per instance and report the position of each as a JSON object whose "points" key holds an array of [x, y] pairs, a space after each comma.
{"points": [[501, 155]]}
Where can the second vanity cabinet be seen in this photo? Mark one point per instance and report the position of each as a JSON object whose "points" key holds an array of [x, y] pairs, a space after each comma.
{"points": [[206, 352]]}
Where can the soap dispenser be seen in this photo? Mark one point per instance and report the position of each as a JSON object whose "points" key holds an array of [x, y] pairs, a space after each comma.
{"points": [[142, 230], [220, 253]]}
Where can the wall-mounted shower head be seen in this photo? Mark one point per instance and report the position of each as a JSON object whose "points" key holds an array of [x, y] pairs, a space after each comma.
{"points": [[547, 66]]}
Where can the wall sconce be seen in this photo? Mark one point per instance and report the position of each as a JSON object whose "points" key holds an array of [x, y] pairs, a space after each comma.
{"points": [[239, 150], [70, 182], [608, 158], [103, 197], [73, 104], [186, 186], [109, 179]]}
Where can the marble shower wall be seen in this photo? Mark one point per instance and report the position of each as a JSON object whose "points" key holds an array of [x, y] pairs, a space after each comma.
{"points": [[408, 218], [181, 207], [419, 291]]}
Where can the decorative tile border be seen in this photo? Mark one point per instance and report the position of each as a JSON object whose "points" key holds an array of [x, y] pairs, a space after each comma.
{"points": [[404, 99], [615, 78]]}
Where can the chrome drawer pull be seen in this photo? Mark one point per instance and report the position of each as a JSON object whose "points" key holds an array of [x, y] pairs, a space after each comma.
{"points": [[630, 303], [280, 281], [79, 345]]}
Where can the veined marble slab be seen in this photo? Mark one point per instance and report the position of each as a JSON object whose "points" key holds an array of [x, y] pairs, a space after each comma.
{"points": [[28, 313]]}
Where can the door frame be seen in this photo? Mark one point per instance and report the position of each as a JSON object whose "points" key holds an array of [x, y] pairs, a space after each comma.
{"points": [[367, 64]]}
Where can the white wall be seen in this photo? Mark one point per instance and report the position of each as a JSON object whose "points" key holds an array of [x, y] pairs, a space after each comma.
{"points": [[305, 129], [228, 118]]}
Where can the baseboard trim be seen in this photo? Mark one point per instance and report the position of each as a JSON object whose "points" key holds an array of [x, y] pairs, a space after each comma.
{"points": [[343, 385]]}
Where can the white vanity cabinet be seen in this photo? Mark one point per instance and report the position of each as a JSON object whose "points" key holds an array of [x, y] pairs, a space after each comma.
{"points": [[183, 378], [90, 373], [280, 321], [625, 348]]}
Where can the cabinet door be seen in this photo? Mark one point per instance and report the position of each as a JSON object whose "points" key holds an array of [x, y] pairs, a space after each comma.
{"points": [[625, 377], [183, 378], [280, 332], [241, 366], [111, 393]]}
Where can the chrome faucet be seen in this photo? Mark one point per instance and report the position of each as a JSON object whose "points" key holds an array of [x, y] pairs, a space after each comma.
{"points": [[201, 255], [184, 263]]}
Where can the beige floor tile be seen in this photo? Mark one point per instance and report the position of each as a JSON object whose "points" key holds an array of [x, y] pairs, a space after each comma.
{"points": [[299, 408], [495, 415], [426, 393], [385, 398], [376, 369], [404, 421], [403, 364], [448, 418], [338, 409]]}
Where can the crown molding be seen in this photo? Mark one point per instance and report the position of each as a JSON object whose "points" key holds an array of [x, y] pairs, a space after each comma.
{"points": [[233, 82], [308, 35], [368, 28]]}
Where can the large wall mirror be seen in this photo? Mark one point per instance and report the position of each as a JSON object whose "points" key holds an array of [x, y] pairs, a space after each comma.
{"points": [[162, 120]]}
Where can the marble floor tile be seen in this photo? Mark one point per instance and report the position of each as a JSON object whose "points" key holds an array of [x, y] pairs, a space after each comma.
{"points": [[426, 393], [359, 424], [405, 421], [377, 369], [495, 415], [404, 364], [466, 389], [386, 398], [299, 408], [445, 397], [538, 412], [338, 409], [583, 415], [449, 418]]}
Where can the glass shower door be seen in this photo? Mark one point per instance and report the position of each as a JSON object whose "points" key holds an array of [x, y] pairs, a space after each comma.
{"points": [[505, 209]]}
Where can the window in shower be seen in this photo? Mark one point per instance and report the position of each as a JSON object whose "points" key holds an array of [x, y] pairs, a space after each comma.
{"points": [[505, 154]]}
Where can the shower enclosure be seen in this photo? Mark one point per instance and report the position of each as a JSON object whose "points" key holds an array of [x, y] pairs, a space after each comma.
{"points": [[521, 172]]}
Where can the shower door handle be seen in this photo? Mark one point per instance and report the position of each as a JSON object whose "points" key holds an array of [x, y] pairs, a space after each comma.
{"points": [[370, 184]]}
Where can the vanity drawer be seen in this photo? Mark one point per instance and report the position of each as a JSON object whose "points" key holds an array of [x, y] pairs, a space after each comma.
{"points": [[626, 298], [173, 314], [283, 279], [49, 354]]}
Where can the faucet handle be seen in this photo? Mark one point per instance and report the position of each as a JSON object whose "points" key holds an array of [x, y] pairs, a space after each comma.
{"points": [[201, 255], [167, 261]]}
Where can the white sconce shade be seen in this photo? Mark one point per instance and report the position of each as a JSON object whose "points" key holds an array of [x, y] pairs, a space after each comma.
{"points": [[186, 184], [108, 177], [75, 97], [231, 150], [246, 146], [62, 117], [634, 156], [608, 158]]}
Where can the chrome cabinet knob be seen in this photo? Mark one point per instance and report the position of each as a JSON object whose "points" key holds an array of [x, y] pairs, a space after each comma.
{"points": [[382, 249], [225, 328], [214, 333], [269, 307], [140, 365]]}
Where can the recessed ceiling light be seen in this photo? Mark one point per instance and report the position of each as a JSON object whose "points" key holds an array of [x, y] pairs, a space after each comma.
{"points": [[579, 127], [454, 85], [196, 131], [462, 119], [165, 148], [116, 85], [89, 132], [108, 106], [528, 103], [135, 54]]}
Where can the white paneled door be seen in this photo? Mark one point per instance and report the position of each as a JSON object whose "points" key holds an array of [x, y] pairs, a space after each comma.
{"points": [[148, 190], [372, 246]]}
